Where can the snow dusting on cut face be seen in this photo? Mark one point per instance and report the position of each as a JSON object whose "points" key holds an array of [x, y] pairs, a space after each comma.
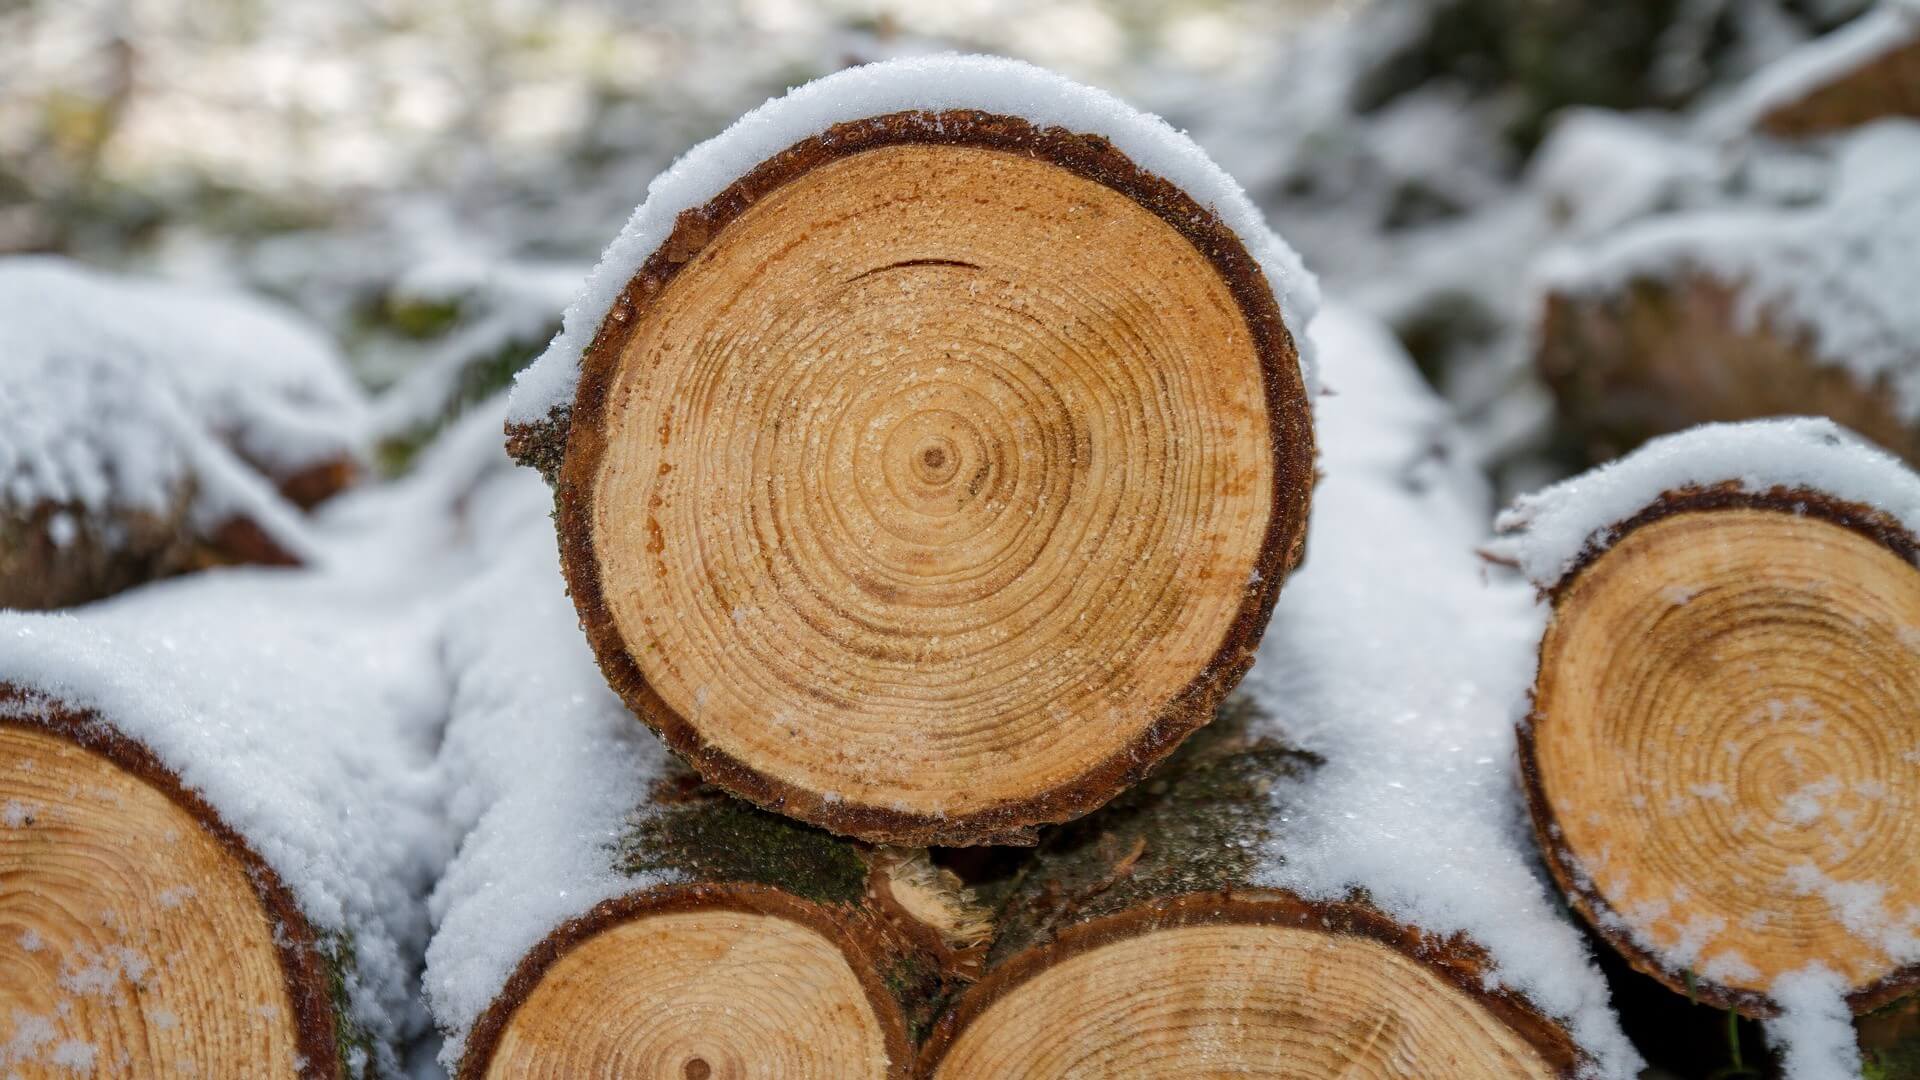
{"points": [[1840, 273], [1391, 658], [1547, 533], [120, 393], [924, 84], [546, 768]]}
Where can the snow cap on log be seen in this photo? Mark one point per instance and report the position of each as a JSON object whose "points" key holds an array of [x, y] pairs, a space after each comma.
{"points": [[130, 400], [922, 84], [1548, 534], [300, 728], [1859, 73]]}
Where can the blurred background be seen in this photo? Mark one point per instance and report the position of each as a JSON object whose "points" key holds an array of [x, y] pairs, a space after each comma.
{"points": [[429, 180]]}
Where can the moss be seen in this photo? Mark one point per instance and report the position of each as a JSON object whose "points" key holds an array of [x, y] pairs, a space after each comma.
{"points": [[355, 1042], [1198, 823], [698, 831]]}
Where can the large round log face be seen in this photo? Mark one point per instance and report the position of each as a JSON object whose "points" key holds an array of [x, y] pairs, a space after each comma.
{"points": [[703, 994], [132, 942], [1724, 759], [940, 479], [1240, 1000]]}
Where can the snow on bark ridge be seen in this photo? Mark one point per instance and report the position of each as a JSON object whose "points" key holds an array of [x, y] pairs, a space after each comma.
{"points": [[926, 84]]}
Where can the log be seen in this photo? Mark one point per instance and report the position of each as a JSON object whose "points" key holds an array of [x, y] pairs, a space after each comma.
{"points": [[694, 935], [936, 464], [213, 868], [1737, 315], [1141, 942], [1722, 759], [1304, 888], [155, 430]]}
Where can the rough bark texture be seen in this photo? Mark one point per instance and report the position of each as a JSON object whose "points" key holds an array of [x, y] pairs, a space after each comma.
{"points": [[1886, 994], [1181, 850], [729, 856], [568, 448], [315, 966], [1657, 356]]}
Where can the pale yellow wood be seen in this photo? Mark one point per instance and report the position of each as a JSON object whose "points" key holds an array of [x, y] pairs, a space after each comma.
{"points": [[1730, 741], [933, 478], [131, 941], [1239, 1001], [696, 995]]}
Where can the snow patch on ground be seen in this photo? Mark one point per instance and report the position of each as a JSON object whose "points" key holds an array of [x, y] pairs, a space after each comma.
{"points": [[931, 84], [1814, 1031]]}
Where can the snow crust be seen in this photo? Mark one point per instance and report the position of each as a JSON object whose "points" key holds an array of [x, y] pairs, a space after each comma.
{"points": [[305, 714], [1546, 533], [121, 393], [1839, 273], [546, 767], [927, 83], [1390, 656]]}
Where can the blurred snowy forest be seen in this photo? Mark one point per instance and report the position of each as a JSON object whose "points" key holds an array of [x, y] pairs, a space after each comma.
{"points": [[429, 180]]}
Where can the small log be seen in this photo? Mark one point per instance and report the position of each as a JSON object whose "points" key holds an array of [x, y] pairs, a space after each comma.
{"points": [[730, 941], [935, 477], [1723, 755], [215, 836], [142, 935], [1867, 70], [1139, 943]]}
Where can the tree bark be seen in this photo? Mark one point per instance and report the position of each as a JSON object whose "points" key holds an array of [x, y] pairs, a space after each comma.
{"points": [[1663, 353], [140, 929], [892, 432], [1722, 745], [1168, 870], [846, 947]]}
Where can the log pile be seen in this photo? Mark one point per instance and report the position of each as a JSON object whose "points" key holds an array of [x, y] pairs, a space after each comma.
{"points": [[1723, 751]]}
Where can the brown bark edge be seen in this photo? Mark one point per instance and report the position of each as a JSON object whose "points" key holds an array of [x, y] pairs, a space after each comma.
{"points": [[1560, 859], [308, 979], [568, 448], [1460, 964]]}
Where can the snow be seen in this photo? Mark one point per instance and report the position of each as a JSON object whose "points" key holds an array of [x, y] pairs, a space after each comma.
{"points": [[1839, 272], [1412, 704], [1814, 1031], [546, 768], [126, 394], [930, 83], [1545, 534], [1817, 64]]}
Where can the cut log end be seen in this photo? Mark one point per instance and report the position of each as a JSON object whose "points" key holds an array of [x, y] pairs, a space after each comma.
{"points": [[1267, 988], [133, 941], [715, 982], [1725, 746], [936, 478]]}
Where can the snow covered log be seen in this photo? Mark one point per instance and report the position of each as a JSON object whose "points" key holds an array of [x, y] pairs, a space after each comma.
{"points": [[1867, 70], [153, 429], [1742, 314], [610, 914], [1328, 880], [1723, 753], [217, 832], [929, 449]]}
